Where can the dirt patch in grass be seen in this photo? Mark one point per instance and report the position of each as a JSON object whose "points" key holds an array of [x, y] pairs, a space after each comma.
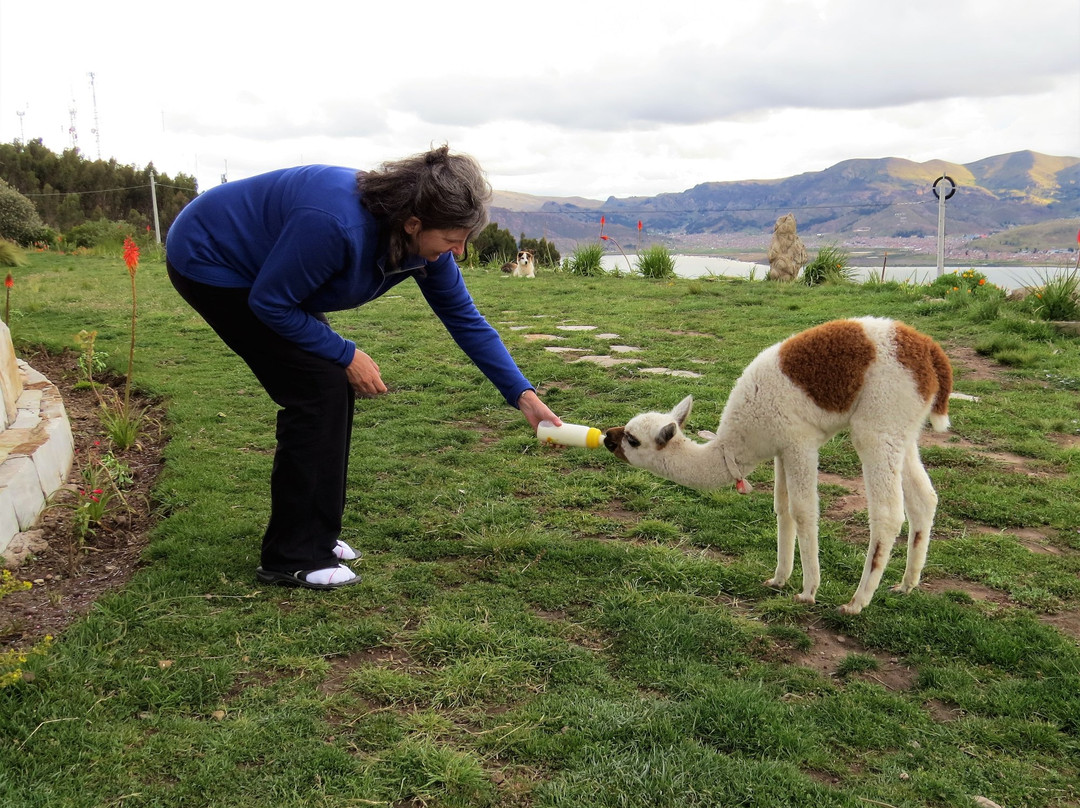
{"points": [[68, 579], [970, 366], [380, 657], [979, 593], [830, 649]]}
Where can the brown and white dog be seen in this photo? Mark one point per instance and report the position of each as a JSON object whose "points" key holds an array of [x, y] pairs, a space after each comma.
{"points": [[522, 266], [878, 378]]}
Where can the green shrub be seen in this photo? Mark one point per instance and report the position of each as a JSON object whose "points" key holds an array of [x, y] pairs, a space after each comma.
{"points": [[1059, 297], [968, 281], [19, 220], [656, 262], [830, 265], [101, 233], [586, 260], [493, 243]]}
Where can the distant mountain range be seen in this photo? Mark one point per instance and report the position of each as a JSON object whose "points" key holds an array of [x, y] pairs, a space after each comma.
{"points": [[887, 197]]}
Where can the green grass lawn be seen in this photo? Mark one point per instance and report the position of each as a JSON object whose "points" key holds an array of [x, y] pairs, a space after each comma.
{"points": [[542, 626]]}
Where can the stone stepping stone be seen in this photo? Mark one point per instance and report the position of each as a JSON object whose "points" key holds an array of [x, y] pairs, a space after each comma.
{"points": [[608, 361], [685, 374]]}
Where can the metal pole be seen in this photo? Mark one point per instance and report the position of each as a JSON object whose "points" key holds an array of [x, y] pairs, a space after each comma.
{"points": [[941, 231], [153, 203]]}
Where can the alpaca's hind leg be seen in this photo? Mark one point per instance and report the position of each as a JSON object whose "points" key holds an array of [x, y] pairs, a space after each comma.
{"points": [[920, 503], [882, 469], [785, 528]]}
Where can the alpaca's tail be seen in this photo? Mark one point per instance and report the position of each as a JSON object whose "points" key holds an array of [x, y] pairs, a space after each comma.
{"points": [[939, 410]]}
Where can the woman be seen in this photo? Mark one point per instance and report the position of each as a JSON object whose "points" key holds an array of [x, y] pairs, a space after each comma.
{"points": [[262, 258]]}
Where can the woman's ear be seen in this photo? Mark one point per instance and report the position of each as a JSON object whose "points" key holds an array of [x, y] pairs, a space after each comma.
{"points": [[413, 226]]}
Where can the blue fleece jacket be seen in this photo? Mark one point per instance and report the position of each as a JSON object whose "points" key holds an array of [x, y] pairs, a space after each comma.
{"points": [[302, 242]]}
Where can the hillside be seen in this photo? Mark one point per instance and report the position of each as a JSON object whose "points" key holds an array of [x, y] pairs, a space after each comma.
{"points": [[883, 198]]}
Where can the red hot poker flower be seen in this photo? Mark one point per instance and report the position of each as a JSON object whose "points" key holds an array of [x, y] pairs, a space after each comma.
{"points": [[9, 281], [131, 254]]}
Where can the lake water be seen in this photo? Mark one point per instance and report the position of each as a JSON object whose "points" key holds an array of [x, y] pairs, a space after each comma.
{"points": [[697, 266]]}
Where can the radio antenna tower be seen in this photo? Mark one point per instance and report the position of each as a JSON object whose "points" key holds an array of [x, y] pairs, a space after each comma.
{"points": [[72, 131], [22, 131], [96, 130]]}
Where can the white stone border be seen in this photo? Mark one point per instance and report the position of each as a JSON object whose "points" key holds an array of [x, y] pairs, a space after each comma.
{"points": [[36, 455]]}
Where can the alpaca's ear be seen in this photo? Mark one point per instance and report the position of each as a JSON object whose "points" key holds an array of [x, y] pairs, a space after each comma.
{"points": [[682, 410], [665, 435]]}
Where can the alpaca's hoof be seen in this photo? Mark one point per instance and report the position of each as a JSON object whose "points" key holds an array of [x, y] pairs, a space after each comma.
{"points": [[850, 608], [902, 588], [776, 583], [803, 598]]}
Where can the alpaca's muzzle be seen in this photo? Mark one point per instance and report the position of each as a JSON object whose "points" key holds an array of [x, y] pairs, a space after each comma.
{"points": [[613, 441]]}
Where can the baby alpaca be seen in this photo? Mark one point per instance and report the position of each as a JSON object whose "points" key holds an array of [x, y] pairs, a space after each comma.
{"points": [[878, 378]]}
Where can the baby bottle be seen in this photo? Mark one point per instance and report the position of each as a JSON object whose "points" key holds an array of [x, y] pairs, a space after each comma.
{"points": [[588, 437]]}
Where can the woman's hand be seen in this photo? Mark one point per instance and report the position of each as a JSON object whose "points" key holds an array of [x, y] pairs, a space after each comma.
{"points": [[536, 410], [363, 375]]}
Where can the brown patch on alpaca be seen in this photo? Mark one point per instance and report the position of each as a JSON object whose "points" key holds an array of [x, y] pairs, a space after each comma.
{"points": [[880, 557], [828, 363], [919, 539], [944, 373], [927, 364]]}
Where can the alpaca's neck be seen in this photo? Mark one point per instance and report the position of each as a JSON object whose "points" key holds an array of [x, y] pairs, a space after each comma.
{"points": [[742, 449], [696, 465]]}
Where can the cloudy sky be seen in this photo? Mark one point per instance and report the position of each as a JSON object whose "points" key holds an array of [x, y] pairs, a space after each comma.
{"points": [[555, 97]]}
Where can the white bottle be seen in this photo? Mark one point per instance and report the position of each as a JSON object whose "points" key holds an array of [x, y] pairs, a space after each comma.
{"points": [[588, 437]]}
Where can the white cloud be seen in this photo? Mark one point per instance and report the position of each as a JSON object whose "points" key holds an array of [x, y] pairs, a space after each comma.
{"points": [[563, 98]]}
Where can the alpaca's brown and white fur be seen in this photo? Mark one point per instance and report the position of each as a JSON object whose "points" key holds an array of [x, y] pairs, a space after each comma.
{"points": [[878, 378]]}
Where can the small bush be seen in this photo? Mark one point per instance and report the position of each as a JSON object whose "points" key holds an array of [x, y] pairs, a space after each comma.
{"points": [[586, 260], [19, 220], [1059, 297], [949, 284], [98, 234], [830, 265], [656, 262]]}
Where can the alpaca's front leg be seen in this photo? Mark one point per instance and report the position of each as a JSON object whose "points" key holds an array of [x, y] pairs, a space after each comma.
{"points": [[785, 528], [800, 474]]}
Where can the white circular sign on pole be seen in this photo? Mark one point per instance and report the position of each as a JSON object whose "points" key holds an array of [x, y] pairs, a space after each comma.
{"points": [[941, 219]]}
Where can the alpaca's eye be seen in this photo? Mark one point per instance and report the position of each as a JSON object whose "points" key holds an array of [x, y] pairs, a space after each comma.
{"points": [[634, 442]]}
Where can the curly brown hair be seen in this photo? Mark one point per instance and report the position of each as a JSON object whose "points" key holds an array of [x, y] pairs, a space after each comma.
{"points": [[444, 191]]}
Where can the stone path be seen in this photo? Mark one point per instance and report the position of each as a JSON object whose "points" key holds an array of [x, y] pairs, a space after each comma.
{"points": [[615, 356]]}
